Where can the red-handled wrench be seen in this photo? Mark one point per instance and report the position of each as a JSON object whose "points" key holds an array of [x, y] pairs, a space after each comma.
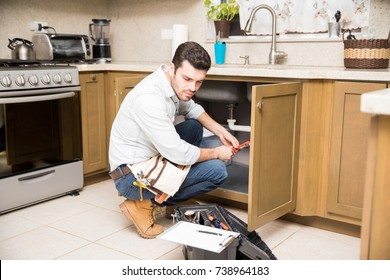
{"points": [[240, 147]]}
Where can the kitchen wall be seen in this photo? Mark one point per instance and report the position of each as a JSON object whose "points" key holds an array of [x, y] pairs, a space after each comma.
{"points": [[66, 16], [136, 29]]}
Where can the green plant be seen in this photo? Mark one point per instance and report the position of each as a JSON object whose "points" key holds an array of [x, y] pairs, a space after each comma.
{"points": [[222, 11]]}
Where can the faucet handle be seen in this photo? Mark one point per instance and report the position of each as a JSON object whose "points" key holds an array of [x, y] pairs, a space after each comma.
{"points": [[274, 56], [246, 59], [280, 54]]}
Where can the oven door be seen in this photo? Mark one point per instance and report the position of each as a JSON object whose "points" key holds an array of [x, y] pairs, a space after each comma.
{"points": [[39, 136]]}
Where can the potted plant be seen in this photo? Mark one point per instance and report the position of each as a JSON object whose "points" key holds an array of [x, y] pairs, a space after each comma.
{"points": [[222, 12]]}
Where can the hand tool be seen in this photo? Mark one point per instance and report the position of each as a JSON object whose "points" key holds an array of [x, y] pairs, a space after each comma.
{"points": [[142, 182], [244, 145]]}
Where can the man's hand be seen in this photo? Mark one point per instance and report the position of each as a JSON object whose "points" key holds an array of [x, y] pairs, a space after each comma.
{"points": [[223, 152], [228, 139], [224, 135]]}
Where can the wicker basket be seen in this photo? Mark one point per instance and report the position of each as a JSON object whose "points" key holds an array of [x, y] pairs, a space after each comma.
{"points": [[367, 53]]}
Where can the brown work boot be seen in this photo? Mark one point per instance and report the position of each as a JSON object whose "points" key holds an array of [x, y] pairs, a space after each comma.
{"points": [[141, 214]]}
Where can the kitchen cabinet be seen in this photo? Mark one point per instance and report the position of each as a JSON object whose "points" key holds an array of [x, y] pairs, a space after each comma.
{"points": [[268, 185], [93, 122], [273, 168], [348, 152], [101, 95], [123, 86], [309, 161], [119, 84]]}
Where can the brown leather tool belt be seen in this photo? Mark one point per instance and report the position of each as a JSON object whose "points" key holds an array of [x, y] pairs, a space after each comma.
{"points": [[120, 172]]}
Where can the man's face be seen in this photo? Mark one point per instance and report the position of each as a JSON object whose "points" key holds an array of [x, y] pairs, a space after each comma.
{"points": [[186, 81]]}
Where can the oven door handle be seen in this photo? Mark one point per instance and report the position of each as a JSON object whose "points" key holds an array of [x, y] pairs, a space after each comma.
{"points": [[35, 98]]}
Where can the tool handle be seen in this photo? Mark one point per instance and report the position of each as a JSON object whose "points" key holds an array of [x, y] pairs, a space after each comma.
{"points": [[160, 198], [224, 226], [244, 145]]}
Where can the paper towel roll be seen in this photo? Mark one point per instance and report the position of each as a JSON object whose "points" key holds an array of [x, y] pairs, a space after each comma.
{"points": [[179, 35]]}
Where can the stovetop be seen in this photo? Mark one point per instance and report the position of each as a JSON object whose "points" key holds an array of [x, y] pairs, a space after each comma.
{"points": [[38, 63], [19, 75]]}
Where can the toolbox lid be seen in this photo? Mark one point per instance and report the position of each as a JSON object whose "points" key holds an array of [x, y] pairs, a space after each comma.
{"points": [[200, 236]]}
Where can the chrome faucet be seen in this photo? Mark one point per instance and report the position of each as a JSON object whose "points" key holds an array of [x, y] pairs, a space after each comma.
{"points": [[274, 55]]}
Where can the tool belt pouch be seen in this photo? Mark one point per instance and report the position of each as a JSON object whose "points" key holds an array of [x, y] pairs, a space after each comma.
{"points": [[162, 175]]}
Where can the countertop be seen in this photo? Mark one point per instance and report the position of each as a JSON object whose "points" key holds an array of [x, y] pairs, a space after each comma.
{"points": [[376, 102], [266, 71]]}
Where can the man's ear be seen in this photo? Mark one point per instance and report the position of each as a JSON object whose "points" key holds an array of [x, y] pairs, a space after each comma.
{"points": [[171, 68]]}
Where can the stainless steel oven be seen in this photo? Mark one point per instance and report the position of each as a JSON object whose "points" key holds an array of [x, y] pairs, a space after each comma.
{"points": [[40, 134]]}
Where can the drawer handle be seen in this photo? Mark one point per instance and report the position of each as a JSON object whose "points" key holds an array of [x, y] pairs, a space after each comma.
{"points": [[30, 177]]}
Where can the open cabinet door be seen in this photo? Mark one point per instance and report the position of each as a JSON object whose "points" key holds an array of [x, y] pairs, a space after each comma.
{"points": [[273, 170]]}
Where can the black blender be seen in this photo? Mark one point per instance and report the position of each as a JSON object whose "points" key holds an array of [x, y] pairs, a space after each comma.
{"points": [[99, 31]]}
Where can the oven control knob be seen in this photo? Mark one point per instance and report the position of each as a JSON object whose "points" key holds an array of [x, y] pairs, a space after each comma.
{"points": [[46, 79], [68, 78], [20, 81], [33, 80], [6, 81], [57, 79]]}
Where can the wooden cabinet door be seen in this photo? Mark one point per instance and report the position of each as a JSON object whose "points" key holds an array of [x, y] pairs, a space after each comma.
{"points": [[93, 119], [123, 86], [273, 170], [348, 151], [117, 87]]}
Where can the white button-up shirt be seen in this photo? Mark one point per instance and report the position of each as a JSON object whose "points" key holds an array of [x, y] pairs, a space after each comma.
{"points": [[144, 125]]}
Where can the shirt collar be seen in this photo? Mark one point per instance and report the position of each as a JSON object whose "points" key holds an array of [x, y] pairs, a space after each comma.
{"points": [[168, 90]]}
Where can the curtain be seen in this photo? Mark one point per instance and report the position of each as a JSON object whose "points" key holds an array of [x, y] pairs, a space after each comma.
{"points": [[304, 16]]}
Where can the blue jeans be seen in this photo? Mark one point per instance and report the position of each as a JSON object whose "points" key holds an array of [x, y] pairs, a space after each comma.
{"points": [[202, 177]]}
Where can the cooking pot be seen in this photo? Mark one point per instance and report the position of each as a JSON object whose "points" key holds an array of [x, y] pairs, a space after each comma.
{"points": [[21, 49]]}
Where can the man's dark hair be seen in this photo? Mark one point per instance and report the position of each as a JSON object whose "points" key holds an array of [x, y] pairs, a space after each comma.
{"points": [[194, 53]]}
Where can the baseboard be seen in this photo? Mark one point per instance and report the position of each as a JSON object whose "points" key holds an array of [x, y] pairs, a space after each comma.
{"points": [[326, 224], [95, 178]]}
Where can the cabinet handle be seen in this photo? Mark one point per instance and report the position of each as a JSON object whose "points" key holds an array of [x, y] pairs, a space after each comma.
{"points": [[260, 105], [93, 77]]}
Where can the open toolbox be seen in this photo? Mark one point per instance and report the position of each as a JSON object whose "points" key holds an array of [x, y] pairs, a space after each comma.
{"points": [[247, 246]]}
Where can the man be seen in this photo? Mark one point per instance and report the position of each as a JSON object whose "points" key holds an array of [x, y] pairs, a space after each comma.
{"points": [[144, 127]]}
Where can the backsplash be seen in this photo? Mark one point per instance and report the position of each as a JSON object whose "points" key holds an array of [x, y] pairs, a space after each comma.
{"points": [[136, 29]]}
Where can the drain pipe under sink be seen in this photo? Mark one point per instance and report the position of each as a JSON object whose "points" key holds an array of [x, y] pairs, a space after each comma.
{"points": [[232, 126], [231, 121]]}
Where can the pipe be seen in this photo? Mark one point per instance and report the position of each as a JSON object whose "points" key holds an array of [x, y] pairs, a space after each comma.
{"points": [[231, 121], [232, 126]]}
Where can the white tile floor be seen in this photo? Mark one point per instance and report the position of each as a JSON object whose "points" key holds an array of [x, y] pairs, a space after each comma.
{"points": [[90, 226]]}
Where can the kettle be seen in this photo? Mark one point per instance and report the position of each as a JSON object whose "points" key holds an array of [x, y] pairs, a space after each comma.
{"points": [[22, 49]]}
